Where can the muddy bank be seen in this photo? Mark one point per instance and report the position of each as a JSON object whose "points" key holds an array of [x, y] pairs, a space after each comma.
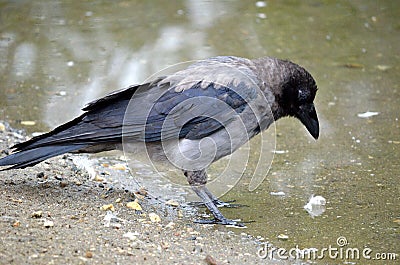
{"points": [[52, 214]]}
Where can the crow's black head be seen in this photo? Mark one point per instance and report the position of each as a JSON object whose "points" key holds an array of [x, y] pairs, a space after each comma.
{"points": [[293, 88], [297, 97]]}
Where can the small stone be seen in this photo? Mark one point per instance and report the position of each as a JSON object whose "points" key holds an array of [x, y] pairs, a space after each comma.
{"points": [[180, 213], [118, 200], [107, 207], [48, 223], [154, 218], [134, 205], [37, 214], [279, 193], [89, 254], [210, 260], [63, 184], [172, 203], [77, 183], [164, 245], [28, 123], [98, 178], [383, 67], [118, 167], [283, 237], [2, 127], [131, 235], [16, 224], [16, 200], [170, 225]]}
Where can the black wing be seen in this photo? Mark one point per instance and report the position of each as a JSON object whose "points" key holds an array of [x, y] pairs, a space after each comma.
{"points": [[191, 103]]}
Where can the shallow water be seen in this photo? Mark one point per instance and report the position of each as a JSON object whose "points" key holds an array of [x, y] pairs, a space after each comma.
{"points": [[55, 57]]}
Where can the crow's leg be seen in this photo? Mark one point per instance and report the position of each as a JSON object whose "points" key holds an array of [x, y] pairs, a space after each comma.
{"points": [[198, 180], [217, 202]]}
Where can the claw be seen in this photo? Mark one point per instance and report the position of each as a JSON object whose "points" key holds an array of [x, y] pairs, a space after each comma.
{"points": [[228, 204], [219, 204], [210, 201], [228, 222]]}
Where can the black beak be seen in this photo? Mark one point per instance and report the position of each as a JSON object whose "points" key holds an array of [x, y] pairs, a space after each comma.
{"points": [[308, 116]]}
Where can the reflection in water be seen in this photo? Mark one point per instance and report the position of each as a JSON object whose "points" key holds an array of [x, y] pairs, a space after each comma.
{"points": [[56, 56]]}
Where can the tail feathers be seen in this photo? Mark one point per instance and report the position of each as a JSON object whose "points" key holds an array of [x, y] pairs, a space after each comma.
{"points": [[34, 156]]}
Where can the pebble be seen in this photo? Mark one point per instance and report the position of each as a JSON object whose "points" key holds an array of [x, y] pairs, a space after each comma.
{"points": [[383, 67], [279, 193], [98, 178], [154, 218], [118, 167], [2, 127], [48, 223], [170, 225], [210, 260], [107, 207], [134, 205], [28, 123], [37, 214], [172, 203], [63, 184], [283, 237], [131, 235], [180, 213]]}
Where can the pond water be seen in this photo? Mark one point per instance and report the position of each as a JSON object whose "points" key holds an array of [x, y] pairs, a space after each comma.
{"points": [[56, 56]]}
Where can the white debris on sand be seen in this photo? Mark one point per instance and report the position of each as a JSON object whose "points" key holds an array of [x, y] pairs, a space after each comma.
{"points": [[280, 151], [84, 163], [277, 193], [315, 205], [367, 114], [131, 235], [261, 4], [111, 220]]}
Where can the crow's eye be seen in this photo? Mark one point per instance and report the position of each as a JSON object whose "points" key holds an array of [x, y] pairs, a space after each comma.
{"points": [[303, 96]]}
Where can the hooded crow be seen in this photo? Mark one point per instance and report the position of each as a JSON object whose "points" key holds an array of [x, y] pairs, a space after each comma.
{"points": [[190, 118]]}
